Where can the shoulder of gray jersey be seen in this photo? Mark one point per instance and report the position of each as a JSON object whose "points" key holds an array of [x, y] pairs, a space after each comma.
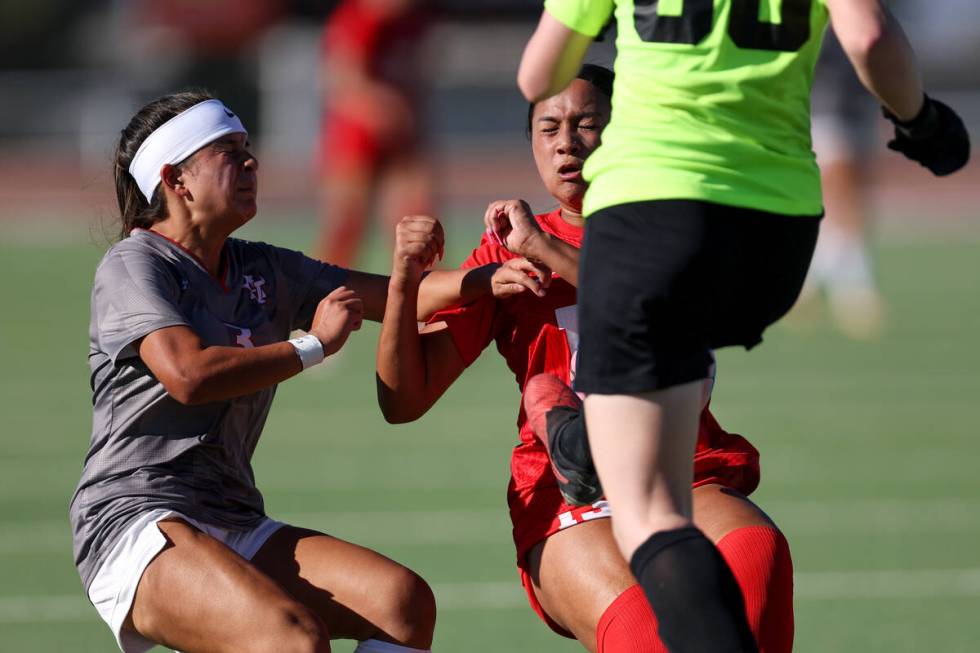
{"points": [[136, 291], [137, 253]]}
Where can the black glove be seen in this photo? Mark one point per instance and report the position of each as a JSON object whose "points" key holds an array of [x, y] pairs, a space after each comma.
{"points": [[936, 138]]}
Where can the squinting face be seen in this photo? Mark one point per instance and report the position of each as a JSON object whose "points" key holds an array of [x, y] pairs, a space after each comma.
{"points": [[222, 179], [565, 129]]}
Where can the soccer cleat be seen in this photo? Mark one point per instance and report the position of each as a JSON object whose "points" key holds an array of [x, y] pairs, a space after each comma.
{"points": [[554, 413]]}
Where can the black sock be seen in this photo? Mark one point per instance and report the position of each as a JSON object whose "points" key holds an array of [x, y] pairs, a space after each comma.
{"points": [[698, 603], [569, 441]]}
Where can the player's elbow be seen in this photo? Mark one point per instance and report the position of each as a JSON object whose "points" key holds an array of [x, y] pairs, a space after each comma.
{"points": [[862, 46], [398, 415], [187, 388], [395, 408], [862, 33], [393, 417], [534, 85]]}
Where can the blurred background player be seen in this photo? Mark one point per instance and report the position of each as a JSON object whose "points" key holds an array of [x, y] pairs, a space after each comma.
{"points": [[845, 123], [703, 210], [575, 577], [372, 140]]}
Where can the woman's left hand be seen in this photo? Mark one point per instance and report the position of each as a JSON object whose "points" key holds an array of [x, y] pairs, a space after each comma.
{"points": [[517, 275]]}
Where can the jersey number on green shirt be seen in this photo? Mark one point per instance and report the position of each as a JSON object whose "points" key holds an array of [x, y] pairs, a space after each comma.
{"points": [[744, 26]]}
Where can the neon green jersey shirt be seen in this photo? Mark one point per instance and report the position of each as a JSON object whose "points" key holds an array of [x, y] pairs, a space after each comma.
{"points": [[711, 102]]}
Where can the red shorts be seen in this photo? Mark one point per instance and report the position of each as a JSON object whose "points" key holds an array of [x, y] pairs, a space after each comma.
{"points": [[538, 511], [345, 141]]}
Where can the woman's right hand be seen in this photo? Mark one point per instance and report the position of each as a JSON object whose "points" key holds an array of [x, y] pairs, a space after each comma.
{"points": [[336, 316], [512, 224], [517, 275]]}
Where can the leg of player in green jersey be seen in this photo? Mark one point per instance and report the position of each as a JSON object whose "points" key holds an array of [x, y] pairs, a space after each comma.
{"points": [[677, 272], [648, 480]]}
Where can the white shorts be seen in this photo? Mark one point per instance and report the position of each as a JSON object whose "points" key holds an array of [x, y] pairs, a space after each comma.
{"points": [[114, 587]]}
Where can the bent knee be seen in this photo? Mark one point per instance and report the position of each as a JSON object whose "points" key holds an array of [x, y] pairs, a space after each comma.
{"points": [[294, 628], [760, 559], [759, 556], [409, 609]]}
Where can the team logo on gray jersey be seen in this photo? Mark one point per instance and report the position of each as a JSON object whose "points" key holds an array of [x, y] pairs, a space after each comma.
{"points": [[243, 336], [254, 287]]}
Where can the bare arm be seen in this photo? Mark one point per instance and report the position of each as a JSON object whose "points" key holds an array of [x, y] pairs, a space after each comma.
{"points": [[413, 369], [443, 288], [513, 223], [555, 253], [373, 291], [880, 53], [412, 232], [438, 289], [194, 374], [551, 59]]}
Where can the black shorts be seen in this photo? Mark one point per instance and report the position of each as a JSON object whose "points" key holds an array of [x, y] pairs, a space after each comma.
{"points": [[662, 283]]}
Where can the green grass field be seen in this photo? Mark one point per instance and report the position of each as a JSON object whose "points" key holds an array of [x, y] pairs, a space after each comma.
{"points": [[869, 462]]}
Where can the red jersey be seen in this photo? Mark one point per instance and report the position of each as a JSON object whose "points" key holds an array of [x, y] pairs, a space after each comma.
{"points": [[386, 42], [539, 334]]}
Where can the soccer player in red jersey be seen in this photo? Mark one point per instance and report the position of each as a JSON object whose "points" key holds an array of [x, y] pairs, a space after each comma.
{"points": [[371, 137], [575, 577]]}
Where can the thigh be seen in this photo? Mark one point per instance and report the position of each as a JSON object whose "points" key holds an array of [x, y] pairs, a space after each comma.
{"points": [[358, 593], [643, 446], [199, 595], [719, 510], [577, 573]]}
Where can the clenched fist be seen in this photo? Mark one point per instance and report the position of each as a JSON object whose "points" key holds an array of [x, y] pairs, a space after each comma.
{"points": [[419, 241]]}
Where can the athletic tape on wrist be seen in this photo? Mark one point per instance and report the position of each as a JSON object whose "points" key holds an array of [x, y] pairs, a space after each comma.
{"points": [[309, 349], [180, 137]]}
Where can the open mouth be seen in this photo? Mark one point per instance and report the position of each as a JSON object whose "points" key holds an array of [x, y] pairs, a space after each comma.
{"points": [[570, 171]]}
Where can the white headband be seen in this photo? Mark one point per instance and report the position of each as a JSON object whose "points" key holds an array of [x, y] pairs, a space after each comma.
{"points": [[180, 137]]}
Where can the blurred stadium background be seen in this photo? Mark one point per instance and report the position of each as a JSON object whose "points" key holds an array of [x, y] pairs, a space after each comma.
{"points": [[869, 456]]}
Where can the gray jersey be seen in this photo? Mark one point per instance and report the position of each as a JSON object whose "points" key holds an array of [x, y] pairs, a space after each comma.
{"points": [[148, 450]]}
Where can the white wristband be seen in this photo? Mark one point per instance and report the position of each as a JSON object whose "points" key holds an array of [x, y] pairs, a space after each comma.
{"points": [[309, 349]]}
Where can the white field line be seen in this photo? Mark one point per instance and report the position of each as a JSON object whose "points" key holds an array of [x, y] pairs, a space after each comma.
{"points": [[499, 595]]}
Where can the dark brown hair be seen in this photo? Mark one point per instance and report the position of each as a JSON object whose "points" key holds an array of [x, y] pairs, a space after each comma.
{"points": [[134, 210]]}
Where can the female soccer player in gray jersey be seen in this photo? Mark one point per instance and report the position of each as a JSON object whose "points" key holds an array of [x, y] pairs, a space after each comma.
{"points": [[188, 340], [702, 212]]}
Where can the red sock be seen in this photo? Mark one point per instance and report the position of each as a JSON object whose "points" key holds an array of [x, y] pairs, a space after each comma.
{"points": [[628, 625], [760, 559]]}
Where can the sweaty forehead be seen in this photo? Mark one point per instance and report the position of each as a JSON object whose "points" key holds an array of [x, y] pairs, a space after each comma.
{"points": [[580, 98]]}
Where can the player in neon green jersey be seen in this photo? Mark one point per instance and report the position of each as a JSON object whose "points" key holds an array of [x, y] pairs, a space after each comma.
{"points": [[703, 209]]}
